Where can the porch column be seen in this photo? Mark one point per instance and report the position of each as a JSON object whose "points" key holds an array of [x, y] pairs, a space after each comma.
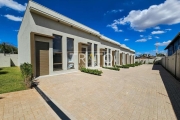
{"points": [[98, 55], [107, 51], [111, 57], [76, 55], [64, 53], [92, 54]]}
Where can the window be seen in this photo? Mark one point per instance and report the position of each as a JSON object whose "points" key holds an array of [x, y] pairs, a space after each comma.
{"points": [[95, 55], [175, 46], [115, 57], [70, 53], [109, 54], [106, 56], [89, 55], [57, 53]]}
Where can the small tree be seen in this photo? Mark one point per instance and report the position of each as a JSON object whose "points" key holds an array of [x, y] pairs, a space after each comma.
{"points": [[26, 70], [3, 48]]}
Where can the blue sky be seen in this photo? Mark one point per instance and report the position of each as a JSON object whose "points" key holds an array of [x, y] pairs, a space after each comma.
{"points": [[138, 24]]}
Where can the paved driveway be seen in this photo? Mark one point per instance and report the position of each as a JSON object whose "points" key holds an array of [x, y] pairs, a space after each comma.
{"points": [[25, 105], [138, 93]]}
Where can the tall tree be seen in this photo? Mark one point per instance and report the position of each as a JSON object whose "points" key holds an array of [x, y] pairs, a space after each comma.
{"points": [[8, 48]]}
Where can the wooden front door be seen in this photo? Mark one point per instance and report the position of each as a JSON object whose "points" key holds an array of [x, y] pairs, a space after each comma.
{"points": [[120, 58], [113, 53], [42, 58], [101, 57]]}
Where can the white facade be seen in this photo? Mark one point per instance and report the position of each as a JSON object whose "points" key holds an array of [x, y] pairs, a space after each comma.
{"points": [[41, 20]]}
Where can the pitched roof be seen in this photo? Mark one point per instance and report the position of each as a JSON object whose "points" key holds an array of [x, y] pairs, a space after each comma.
{"points": [[35, 7], [175, 38]]}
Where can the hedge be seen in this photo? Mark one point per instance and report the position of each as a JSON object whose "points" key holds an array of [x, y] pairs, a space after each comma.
{"points": [[112, 68], [91, 71], [123, 66]]}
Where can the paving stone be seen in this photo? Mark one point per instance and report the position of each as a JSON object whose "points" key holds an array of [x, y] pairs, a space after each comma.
{"points": [[143, 92]]}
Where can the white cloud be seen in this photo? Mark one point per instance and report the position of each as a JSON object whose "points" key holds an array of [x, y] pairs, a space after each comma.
{"points": [[13, 18], [141, 35], [138, 53], [123, 45], [141, 40], [13, 5], [165, 43], [168, 29], [140, 30], [113, 11], [126, 39], [113, 26], [16, 30], [149, 38], [157, 27], [156, 37], [166, 13], [157, 32]]}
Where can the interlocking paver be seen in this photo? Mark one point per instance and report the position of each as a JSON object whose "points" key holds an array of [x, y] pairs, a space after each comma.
{"points": [[141, 93], [24, 105]]}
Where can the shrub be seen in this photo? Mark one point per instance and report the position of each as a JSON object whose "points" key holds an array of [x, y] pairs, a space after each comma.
{"points": [[112, 68], [123, 66], [91, 71], [130, 65], [26, 70]]}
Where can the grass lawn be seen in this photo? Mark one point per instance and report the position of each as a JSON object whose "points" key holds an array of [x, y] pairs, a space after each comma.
{"points": [[11, 80]]}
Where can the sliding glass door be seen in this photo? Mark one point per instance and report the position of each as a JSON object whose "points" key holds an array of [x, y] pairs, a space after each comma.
{"points": [[57, 53]]}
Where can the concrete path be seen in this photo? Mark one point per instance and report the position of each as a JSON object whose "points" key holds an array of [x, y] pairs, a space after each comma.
{"points": [[25, 105], [141, 93]]}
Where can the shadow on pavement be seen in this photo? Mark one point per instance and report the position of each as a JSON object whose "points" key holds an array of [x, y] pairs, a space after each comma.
{"points": [[172, 87], [58, 111]]}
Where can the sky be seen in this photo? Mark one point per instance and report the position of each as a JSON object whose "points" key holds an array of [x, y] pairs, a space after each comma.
{"points": [[138, 24]]}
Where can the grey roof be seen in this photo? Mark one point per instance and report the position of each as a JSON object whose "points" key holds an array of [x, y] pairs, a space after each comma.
{"points": [[175, 38]]}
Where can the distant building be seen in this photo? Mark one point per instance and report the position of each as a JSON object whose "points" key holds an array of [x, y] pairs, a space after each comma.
{"points": [[174, 45]]}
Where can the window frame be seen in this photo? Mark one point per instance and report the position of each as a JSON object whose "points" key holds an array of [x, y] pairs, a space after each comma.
{"points": [[70, 52]]}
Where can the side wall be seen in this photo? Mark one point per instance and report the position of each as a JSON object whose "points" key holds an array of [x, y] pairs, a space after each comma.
{"points": [[24, 39], [172, 63], [8, 60]]}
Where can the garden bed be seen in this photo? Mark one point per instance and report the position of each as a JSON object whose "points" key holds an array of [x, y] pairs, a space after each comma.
{"points": [[91, 71], [112, 68]]}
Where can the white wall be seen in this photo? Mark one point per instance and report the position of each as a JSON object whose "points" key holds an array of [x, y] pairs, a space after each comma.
{"points": [[146, 60], [8, 60], [24, 39], [169, 63], [33, 22]]}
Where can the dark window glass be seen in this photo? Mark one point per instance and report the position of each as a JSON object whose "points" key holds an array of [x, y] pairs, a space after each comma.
{"points": [[70, 53], [89, 55], [57, 43], [70, 44], [57, 53], [95, 55], [109, 56]]}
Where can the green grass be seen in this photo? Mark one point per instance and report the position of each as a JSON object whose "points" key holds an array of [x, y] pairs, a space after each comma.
{"points": [[11, 80]]}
